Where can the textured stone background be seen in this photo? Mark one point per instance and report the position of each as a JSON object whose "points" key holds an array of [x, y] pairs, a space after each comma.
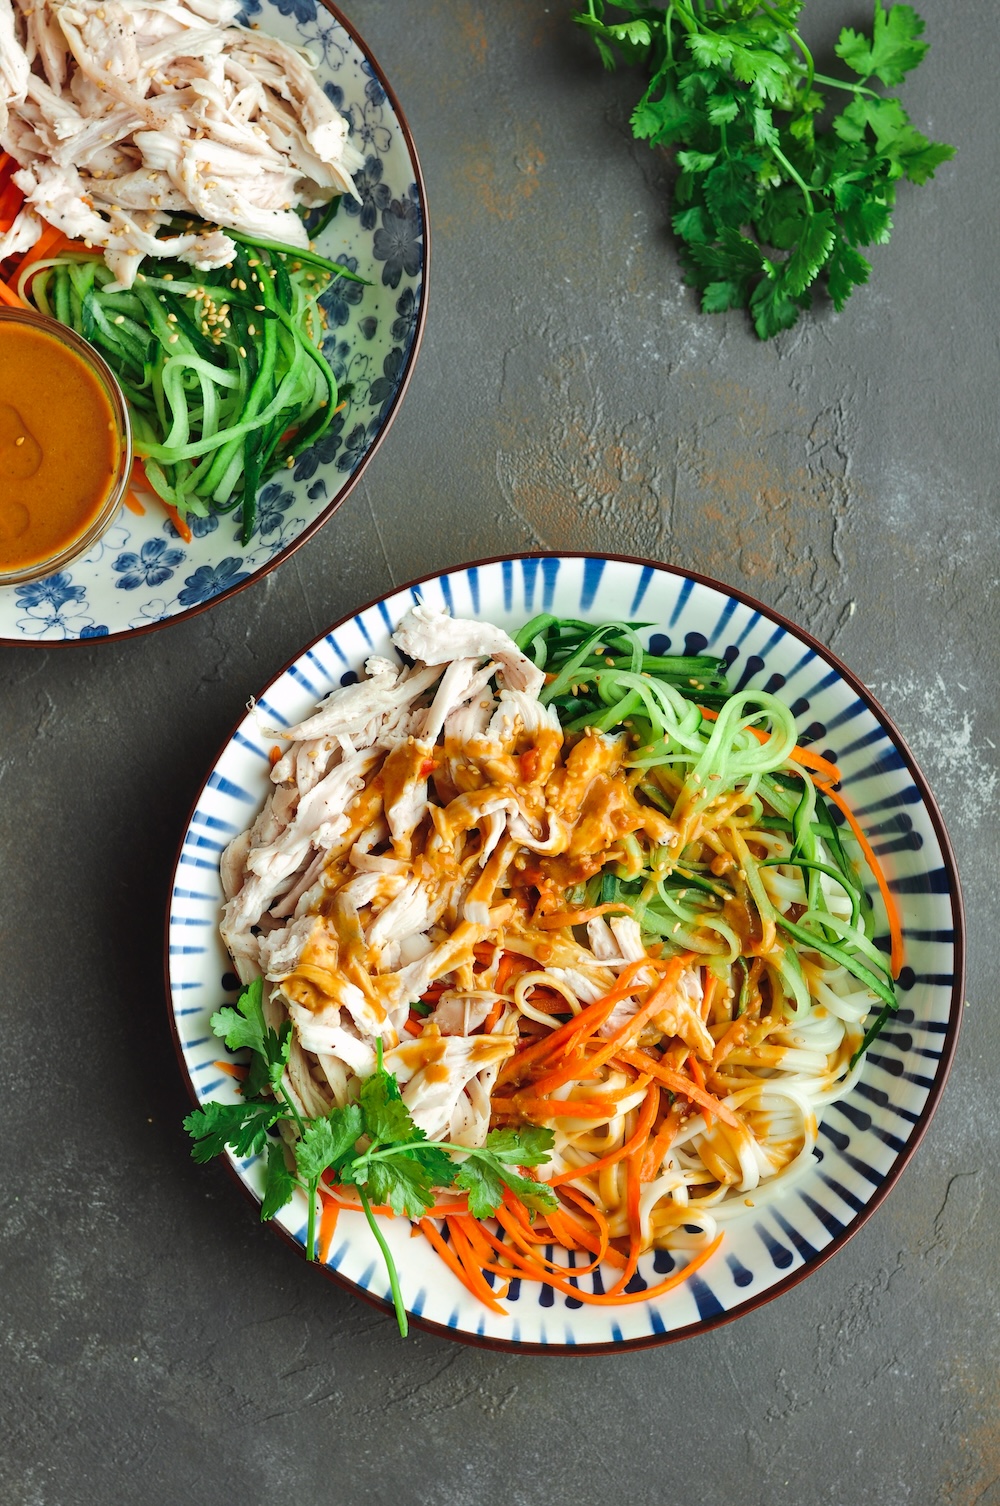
{"points": [[156, 1345]]}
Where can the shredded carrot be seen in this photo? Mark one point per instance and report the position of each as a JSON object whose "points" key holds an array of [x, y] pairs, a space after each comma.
{"points": [[633, 1187], [610, 1159], [529, 1107], [560, 918], [327, 1225], [660, 1143], [454, 1264], [656, 1001], [711, 986], [472, 1265], [805, 756], [567, 1038], [678, 1083], [511, 964], [535, 1270], [11, 200], [601, 1244], [232, 1069], [134, 505], [888, 898], [140, 479], [179, 523], [8, 296], [49, 243], [493, 1016]]}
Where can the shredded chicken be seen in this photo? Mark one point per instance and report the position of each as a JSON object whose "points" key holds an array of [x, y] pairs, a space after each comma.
{"points": [[419, 823], [121, 115]]}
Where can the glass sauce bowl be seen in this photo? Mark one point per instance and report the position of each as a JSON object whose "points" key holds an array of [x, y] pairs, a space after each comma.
{"points": [[65, 446]]}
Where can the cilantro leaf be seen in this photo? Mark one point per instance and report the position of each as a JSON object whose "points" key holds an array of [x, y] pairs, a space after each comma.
{"points": [[242, 1126], [819, 231], [528, 1146], [386, 1117], [772, 307], [775, 191], [481, 1179], [894, 48], [847, 269], [487, 1170], [245, 1026], [406, 1181], [279, 1184], [327, 1142]]}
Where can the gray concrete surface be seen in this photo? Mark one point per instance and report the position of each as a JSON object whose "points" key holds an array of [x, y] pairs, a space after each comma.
{"points": [[156, 1345]]}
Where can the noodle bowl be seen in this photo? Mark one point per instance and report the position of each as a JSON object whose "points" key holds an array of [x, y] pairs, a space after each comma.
{"points": [[559, 880]]}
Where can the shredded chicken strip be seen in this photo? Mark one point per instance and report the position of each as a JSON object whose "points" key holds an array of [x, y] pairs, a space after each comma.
{"points": [[122, 115], [396, 842]]}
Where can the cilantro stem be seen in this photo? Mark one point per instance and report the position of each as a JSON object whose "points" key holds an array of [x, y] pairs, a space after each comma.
{"points": [[312, 1193], [779, 156], [843, 83], [283, 1097], [390, 1264]]}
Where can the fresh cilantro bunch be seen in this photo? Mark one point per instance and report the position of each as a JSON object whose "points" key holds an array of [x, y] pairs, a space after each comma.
{"points": [[372, 1145], [768, 202]]}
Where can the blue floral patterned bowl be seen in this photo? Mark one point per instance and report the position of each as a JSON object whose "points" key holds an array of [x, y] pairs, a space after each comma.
{"points": [[142, 574], [865, 1140]]}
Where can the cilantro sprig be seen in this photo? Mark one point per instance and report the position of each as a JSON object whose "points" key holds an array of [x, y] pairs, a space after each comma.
{"points": [[768, 204], [372, 1144]]}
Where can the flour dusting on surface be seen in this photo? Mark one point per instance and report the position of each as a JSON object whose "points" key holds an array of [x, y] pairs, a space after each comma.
{"points": [[943, 738]]}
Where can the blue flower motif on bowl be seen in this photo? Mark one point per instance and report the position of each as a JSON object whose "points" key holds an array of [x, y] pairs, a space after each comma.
{"points": [[375, 195], [342, 296], [208, 580], [398, 242], [384, 386], [272, 504], [321, 453], [55, 591], [405, 324], [367, 129], [154, 563], [198, 526], [356, 446], [54, 608], [374, 92], [304, 11]]}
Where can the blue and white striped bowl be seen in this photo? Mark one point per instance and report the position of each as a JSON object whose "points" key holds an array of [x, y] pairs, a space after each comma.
{"points": [[865, 1141]]}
